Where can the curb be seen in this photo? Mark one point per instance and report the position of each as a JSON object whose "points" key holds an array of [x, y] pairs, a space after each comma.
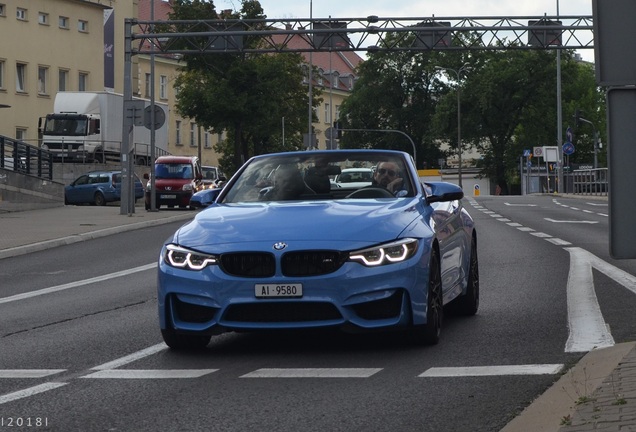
{"points": [[547, 412]]}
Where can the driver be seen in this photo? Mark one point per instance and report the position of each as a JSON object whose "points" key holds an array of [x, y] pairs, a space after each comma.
{"points": [[387, 175]]}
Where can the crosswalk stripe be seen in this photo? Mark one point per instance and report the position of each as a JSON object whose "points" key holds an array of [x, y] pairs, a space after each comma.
{"points": [[313, 373], [149, 373], [546, 369], [28, 373]]}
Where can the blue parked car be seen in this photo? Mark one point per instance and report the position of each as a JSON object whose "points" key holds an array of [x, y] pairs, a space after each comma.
{"points": [[99, 188], [280, 249]]}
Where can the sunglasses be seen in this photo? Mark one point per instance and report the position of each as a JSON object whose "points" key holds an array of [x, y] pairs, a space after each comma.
{"points": [[390, 172]]}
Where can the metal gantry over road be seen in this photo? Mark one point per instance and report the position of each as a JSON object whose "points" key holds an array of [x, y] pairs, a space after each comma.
{"points": [[359, 34]]}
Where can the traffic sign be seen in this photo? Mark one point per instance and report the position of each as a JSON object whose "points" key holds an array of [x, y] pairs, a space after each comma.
{"points": [[568, 148], [537, 151], [569, 135], [526, 153]]}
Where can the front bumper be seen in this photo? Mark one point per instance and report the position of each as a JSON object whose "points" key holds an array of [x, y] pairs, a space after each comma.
{"points": [[353, 297]]}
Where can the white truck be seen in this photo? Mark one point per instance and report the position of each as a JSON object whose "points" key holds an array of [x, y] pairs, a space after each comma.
{"points": [[88, 126]]}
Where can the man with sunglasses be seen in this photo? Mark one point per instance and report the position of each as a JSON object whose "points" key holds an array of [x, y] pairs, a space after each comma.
{"points": [[387, 175]]}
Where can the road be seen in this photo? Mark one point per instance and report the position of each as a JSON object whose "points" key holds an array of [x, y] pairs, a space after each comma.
{"points": [[80, 348]]}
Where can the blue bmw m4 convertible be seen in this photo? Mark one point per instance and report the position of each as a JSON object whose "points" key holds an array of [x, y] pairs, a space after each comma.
{"points": [[285, 247]]}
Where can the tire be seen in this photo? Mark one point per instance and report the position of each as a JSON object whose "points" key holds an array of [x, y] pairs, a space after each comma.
{"points": [[468, 304], [99, 199], [181, 341], [429, 333]]}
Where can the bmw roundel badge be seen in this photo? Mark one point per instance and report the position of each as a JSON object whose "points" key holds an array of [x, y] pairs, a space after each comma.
{"points": [[280, 246]]}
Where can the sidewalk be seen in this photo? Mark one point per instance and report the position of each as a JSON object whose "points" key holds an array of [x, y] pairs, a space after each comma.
{"points": [[597, 394], [29, 231]]}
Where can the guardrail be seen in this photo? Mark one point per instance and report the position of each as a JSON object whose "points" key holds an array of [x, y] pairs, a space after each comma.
{"points": [[20, 157], [591, 182]]}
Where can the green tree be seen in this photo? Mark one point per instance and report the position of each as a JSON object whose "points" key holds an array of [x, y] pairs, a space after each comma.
{"points": [[246, 95], [509, 104], [398, 91]]}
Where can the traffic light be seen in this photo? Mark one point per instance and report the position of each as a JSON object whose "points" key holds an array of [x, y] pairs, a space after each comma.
{"points": [[337, 126], [577, 117]]}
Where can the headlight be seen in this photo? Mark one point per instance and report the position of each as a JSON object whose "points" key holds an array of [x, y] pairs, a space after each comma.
{"points": [[388, 253], [179, 257], [187, 187]]}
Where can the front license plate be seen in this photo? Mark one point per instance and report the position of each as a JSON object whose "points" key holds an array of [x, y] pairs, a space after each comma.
{"points": [[168, 196], [278, 290]]}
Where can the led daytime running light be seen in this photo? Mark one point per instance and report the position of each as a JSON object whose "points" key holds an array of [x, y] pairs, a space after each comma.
{"points": [[183, 258], [386, 254]]}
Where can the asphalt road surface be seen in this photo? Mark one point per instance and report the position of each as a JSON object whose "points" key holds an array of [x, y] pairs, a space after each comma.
{"points": [[80, 348]]}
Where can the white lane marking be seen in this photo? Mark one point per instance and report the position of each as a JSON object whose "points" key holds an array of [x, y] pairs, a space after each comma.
{"points": [[520, 205], [597, 204], [28, 373], [547, 369], [503, 219], [571, 221], [132, 357], [495, 215], [558, 241], [77, 284], [149, 373], [525, 229], [21, 394], [587, 327], [313, 373], [514, 224], [540, 234]]}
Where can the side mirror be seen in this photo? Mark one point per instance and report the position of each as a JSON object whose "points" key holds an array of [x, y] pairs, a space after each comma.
{"points": [[443, 192]]}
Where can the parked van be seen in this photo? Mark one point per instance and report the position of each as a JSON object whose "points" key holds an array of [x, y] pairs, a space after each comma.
{"points": [[176, 179]]}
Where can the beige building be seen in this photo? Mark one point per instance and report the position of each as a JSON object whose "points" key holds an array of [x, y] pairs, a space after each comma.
{"points": [[78, 45]]}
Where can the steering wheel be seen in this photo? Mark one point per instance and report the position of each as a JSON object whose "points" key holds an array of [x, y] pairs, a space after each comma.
{"points": [[371, 192]]}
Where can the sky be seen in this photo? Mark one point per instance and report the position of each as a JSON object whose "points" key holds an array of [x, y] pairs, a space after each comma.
{"points": [[299, 9]]}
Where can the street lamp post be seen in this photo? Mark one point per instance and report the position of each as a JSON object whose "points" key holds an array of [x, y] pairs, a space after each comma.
{"points": [[458, 72]]}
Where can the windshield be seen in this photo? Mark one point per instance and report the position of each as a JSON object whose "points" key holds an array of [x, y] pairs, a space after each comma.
{"points": [[173, 171], [313, 176], [66, 125]]}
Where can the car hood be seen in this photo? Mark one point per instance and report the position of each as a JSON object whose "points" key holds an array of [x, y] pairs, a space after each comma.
{"points": [[328, 224]]}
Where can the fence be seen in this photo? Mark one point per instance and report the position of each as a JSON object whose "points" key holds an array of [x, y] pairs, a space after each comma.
{"points": [[26, 159], [590, 182]]}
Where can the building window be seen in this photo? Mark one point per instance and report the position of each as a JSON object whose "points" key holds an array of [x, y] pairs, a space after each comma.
{"points": [[193, 141], [62, 80], [43, 18], [21, 14], [335, 80], [327, 113], [163, 87], [3, 9], [20, 77], [2, 74], [82, 26], [43, 80], [83, 81], [206, 139], [178, 133], [147, 85], [20, 134], [63, 22]]}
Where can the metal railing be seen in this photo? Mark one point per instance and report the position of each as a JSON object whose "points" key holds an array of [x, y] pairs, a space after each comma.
{"points": [[20, 157], [590, 182]]}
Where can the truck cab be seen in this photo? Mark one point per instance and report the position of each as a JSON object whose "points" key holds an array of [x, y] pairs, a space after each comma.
{"points": [[177, 178]]}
